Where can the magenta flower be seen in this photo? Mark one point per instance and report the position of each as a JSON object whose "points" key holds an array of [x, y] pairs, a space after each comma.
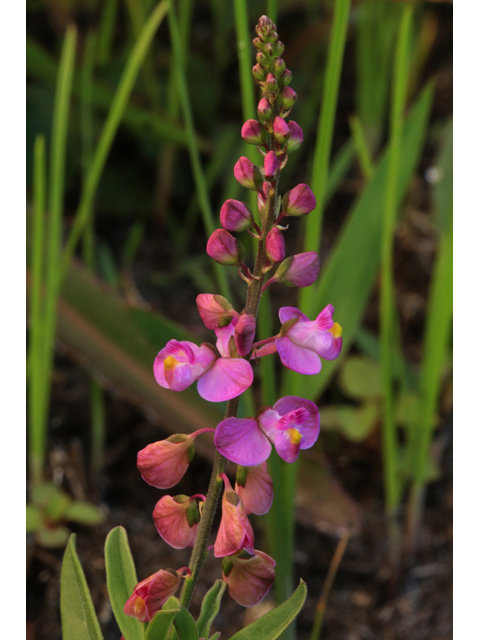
{"points": [[235, 532], [291, 424], [235, 215], [298, 201], [257, 490], [247, 174], [302, 345], [176, 520], [271, 166], [244, 333], [225, 249], [298, 271], [275, 245], [215, 310], [296, 136], [254, 133], [150, 595], [281, 130], [249, 578]]}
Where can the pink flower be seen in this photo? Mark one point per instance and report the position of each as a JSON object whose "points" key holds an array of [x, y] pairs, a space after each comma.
{"points": [[176, 520], [163, 464], [256, 490], [302, 345], [150, 595], [247, 174], [275, 245], [291, 424], [298, 201], [254, 133], [281, 130], [224, 248], [245, 333], [215, 310], [296, 136], [249, 578], [298, 271], [235, 215], [271, 166], [235, 532]]}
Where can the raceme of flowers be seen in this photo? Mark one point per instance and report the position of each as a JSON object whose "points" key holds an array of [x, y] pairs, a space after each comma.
{"points": [[223, 370]]}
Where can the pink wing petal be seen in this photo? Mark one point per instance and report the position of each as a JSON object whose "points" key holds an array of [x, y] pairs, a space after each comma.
{"points": [[163, 585], [170, 519], [287, 313], [333, 351], [257, 494], [310, 428], [286, 449], [242, 441], [297, 358], [324, 319], [227, 379], [223, 336]]}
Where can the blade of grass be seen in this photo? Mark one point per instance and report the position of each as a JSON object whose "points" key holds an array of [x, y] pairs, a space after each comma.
{"points": [[105, 34], [198, 174], [272, 9], [54, 239], [109, 131], [361, 147], [387, 303], [36, 381]]}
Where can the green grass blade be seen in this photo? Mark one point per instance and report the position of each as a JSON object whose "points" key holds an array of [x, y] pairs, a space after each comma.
{"points": [[200, 182], [361, 147], [272, 9], [109, 131], [36, 377], [105, 35]]}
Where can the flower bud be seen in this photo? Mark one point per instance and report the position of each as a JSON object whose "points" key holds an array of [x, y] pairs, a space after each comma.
{"points": [[215, 310], [281, 130], [287, 77], [225, 249], [275, 245], [235, 532], [258, 44], [266, 29], [150, 595], [298, 201], [264, 110], [287, 98], [176, 520], [259, 73], [277, 48], [163, 464], [296, 136], [271, 166], [256, 491], [300, 270], [254, 133], [244, 333], [262, 59], [271, 82], [278, 66], [247, 174], [235, 215], [249, 578]]}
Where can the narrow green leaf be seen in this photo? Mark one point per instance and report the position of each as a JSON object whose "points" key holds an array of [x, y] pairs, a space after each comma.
{"points": [[271, 625], [162, 620], [215, 636], [185, 625], [121, 580], [361, 147], [210, 608], [79, 621], [83, 513]]}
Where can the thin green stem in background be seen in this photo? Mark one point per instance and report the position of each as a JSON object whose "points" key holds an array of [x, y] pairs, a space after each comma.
{"points": [[109, 131], [361, 147], [272, 10], [105, 34], [387, 303]]}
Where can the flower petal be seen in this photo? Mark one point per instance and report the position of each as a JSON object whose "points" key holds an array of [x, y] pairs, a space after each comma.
{"points": [[242, 441], [286, 446], [287, 313], [250, 579], [297, 358], [223, 337], [163, 464], [171, 521], [163, 585], [257, 494], [227, 379], [310, 428], [266, 350]]}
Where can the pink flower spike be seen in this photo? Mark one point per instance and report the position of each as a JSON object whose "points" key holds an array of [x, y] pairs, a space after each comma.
{"points": [[300, 270], [254, 133], [235, 532], [150, 595], [245, 333], [225, 249], [176, 520], [281, 130], [163, 464], [242, 441], [248, 175], [235, 215], [249, 579], [180, 364], [215, 310], [296, 136], [257, 493], [275, 245], [227, 379], [271, 166], [298, 201], [291, 424]]}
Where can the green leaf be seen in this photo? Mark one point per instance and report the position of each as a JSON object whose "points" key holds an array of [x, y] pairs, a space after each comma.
{"points": [[52, 538], [33, 519], [84, 513], [360, 378], [185, 625], [162, 620], [210, 608], [121, 580], [273, 623], [355, 423], [215, 636], [53, 500], [79, 621]]}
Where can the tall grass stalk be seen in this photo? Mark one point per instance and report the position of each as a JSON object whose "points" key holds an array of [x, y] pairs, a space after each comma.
{"points": [[387, 302]]}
